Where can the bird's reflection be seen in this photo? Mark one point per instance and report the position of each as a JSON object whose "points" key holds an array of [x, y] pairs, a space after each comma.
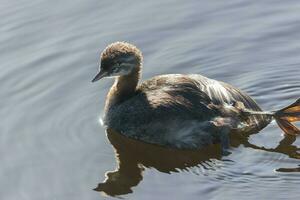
{"points": [[134, 156]]}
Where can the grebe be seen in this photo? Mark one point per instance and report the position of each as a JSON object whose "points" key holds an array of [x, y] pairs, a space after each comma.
{"points": [[176, 110]]}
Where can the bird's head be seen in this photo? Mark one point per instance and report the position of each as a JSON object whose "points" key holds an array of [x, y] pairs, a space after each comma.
{"points": [[119, 59]]}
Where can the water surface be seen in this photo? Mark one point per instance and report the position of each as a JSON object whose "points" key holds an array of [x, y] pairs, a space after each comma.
{"points": [[52, 145]]}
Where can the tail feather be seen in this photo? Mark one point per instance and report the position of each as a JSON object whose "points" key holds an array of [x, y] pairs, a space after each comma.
{"points": [[284, 118]]}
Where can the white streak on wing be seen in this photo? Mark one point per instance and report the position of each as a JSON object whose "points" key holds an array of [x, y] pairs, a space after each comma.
{"points": [[219, 90], [208, 91]]}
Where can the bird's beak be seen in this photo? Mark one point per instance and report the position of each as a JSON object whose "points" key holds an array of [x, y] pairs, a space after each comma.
{"points": [[100, 75]]}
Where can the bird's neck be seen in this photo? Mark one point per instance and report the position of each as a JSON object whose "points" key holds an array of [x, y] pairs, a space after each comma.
{"points": [[123, 88]]}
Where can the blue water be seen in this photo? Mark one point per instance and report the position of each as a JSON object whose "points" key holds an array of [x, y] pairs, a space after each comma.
{"points": [[52, 145]]}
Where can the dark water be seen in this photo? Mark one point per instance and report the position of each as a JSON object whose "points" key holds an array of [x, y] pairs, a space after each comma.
{"points": [[52, 145]]}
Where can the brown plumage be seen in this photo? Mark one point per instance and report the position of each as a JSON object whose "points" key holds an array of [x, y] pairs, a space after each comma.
{"points": [[175, 110]]}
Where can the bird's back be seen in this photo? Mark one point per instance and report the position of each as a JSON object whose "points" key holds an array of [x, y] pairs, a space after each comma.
{"points": [[174, 97]]}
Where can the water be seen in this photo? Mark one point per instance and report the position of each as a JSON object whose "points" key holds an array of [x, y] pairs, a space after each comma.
{"points": [[52, 145]]}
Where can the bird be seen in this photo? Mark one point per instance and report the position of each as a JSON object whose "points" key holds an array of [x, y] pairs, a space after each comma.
{"points": [[183, 111]]}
